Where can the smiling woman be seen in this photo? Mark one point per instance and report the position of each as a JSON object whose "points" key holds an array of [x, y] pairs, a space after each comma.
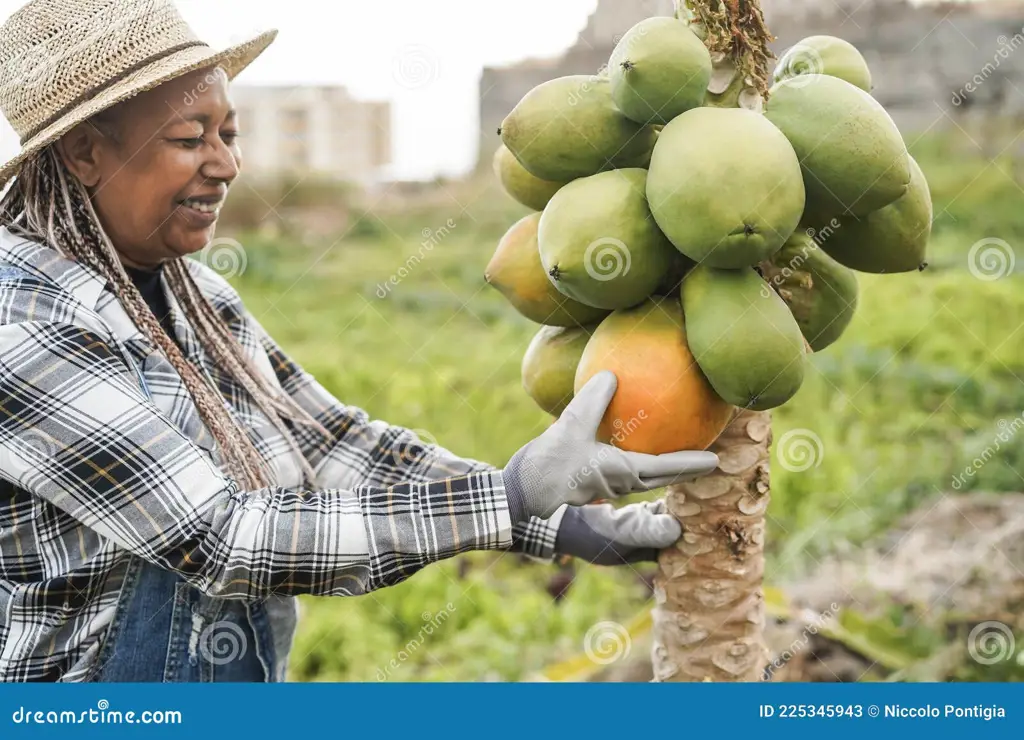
{"points": [[174, 165], [169, 478]]}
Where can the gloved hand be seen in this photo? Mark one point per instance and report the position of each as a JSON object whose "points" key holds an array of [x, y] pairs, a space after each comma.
{"points": [[567, 465], [604, 535]]}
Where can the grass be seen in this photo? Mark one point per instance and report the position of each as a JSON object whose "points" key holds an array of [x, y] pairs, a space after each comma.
{"points": [[908, 399]]}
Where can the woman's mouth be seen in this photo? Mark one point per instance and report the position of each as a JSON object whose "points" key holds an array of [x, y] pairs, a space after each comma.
{"points": [[202, 213]]}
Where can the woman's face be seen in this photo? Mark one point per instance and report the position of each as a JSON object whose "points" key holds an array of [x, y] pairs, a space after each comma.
{"points": [[159, 170]]}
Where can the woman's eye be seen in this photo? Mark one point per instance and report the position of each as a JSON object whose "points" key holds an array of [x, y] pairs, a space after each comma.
{"points": [[230, 137], [192, 143]]}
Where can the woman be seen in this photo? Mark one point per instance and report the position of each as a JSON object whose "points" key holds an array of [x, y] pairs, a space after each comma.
{"points": [[169, 474]]}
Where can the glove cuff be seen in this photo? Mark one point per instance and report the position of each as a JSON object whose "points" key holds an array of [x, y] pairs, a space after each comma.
{"points": [[522, 481]]}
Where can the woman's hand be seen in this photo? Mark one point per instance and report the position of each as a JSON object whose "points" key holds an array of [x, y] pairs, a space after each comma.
{"points": [[604, 535], [567, 465]]}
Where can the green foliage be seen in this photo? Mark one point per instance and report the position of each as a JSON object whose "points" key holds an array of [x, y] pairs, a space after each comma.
{"points": [[905, 401]]}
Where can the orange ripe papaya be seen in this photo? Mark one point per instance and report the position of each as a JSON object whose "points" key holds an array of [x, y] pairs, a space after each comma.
{"points": [[663, 402]]}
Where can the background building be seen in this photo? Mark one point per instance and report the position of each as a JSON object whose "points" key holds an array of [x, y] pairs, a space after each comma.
{"points": [[921, 55], [307, 130]]}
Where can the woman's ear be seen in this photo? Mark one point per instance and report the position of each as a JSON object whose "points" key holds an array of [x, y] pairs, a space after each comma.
{"points": [[80, 149]]}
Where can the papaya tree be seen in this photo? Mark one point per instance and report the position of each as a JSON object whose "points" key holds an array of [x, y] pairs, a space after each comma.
{"points": [[709, 613], [714, 225]]}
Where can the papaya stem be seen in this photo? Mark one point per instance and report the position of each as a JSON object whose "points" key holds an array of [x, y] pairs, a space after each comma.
{"points": [[735, 28]]}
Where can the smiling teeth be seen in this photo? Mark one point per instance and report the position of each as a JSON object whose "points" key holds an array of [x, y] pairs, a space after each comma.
{"points": [[203, 207]]}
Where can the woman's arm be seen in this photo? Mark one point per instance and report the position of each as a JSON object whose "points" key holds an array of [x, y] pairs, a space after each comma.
{"points": [[362, 451], [76, 431], [358, 450]]}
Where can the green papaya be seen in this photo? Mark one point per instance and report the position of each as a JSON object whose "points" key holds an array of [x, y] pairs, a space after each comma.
{"points": [[658, 70], [820, 292], [549, 365], [669, 285], [521, 186], [853, 156], [516, 271], [743, 336], [725, 186], [825, 55], [890, 240], [570, 127], [599, 244]]}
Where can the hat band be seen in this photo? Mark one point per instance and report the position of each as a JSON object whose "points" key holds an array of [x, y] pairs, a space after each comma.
{"points": [[89, 94]]}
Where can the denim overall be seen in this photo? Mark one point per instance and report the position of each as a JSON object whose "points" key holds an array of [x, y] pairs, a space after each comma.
{"points": [[165, 630]]}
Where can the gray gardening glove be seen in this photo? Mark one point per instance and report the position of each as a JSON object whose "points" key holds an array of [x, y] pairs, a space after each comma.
{"points": [[567, 465], [604, 535]]}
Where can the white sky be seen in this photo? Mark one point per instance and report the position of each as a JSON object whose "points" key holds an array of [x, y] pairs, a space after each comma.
{"points": [[425, 56]]}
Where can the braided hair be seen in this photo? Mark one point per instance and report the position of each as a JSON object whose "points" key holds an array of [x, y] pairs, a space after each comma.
{"points": [[48, 204]]}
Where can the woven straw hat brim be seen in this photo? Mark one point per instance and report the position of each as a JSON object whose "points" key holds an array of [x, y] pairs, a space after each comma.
{"points": [[233, 59]]}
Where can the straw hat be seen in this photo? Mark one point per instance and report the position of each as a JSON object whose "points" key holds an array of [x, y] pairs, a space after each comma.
{"points": [[63, 61]]}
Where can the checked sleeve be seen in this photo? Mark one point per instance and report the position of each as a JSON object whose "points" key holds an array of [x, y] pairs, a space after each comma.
{"points": [[361, 451], [76, 431]]}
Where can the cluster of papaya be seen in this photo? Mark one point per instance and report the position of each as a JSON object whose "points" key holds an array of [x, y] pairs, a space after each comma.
{"points": [[698, 249]]}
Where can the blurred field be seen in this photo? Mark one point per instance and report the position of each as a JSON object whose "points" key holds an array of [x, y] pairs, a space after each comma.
{"points": [[913, 392]]}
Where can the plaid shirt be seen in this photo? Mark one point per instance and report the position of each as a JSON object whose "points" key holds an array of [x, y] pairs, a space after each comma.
{"points": [[103, 458]]}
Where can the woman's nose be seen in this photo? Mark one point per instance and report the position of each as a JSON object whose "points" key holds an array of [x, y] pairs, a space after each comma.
{"points": [[221, 165]]}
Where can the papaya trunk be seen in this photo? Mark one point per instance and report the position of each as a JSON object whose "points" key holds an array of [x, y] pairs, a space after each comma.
{"points": [[709, 613], [709, 601]]}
